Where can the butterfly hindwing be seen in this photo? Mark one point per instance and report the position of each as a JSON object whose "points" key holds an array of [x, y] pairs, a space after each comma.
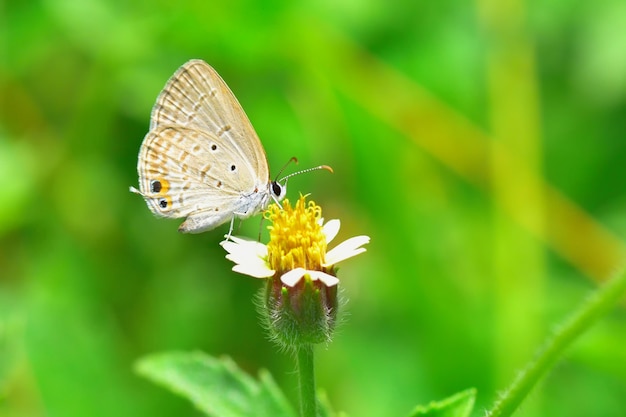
{"points": [[185, 172]]}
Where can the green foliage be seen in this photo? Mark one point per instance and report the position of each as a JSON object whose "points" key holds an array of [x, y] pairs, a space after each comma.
{"points": [[220, 389], [458, 405], [216, 386]]}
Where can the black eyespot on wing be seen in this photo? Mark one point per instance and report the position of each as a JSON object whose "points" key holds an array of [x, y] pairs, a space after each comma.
{"points": [[233, 167], [163, 203], [276, 189], [214, 147], [155, 186]]}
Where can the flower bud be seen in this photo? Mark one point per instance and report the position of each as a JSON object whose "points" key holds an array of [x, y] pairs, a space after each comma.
{"points": [[303, 314], [300, 302]]}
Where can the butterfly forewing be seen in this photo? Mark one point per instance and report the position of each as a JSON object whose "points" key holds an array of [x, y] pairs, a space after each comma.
{"points": [[196, 97]]}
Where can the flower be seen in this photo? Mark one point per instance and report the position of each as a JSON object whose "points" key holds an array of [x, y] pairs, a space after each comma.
{"points": [[300, 301], [298, 242]]}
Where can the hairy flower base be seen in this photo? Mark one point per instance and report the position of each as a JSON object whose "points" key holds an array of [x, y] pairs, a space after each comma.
{"points": [[303, 314]]}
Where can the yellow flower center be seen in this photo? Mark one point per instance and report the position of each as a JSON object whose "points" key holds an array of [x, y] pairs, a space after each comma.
{"points": [[296, 238]]}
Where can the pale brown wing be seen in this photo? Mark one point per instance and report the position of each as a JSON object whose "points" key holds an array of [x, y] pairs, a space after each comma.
{"points": [[196, 97], [190, 170], [189, 173]]}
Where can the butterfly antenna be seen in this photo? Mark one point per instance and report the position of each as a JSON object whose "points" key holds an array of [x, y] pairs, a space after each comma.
{"points": [[292, 159], [326, 167]]}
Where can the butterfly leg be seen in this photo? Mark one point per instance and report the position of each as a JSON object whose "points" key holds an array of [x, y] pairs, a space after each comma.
{"points": [[230, 229], [261, 227]]}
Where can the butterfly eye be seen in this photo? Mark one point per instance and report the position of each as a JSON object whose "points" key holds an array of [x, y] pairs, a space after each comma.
{"points": [[277, 189]]}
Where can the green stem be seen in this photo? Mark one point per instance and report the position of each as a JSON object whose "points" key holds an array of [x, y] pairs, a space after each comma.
{"points": [[591, 310], [306, 381]]}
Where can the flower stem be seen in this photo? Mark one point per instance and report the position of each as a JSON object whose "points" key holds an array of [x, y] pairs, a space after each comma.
{"points": [[306, 381], [586, 315]]}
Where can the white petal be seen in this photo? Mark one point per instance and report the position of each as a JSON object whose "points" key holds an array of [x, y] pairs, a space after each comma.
{"points": [[327, 279], [234, 239], [331, 229], [244, 249], [238, 258], [249, 262], [292, 277], [249, 257], [230, 247], [241, 241], [244, 257], [256, 272], [346, 249]]}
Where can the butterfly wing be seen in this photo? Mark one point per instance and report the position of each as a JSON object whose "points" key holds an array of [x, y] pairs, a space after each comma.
{"points": [[191, 173], [202, 158], [196, 97]]}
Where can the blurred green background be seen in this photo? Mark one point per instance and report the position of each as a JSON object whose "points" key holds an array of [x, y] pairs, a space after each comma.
{"points": [[480, 144]]}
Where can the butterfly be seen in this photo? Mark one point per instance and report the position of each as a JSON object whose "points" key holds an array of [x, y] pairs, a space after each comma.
{"points": [[201, 159]]}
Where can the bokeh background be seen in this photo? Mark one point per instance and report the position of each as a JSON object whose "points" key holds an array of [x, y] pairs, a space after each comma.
{"points": [[480, 144]]}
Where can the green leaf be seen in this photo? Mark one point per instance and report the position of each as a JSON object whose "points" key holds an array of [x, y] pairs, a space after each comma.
{"points": [[459, 405], [216, 386], [324, 408]]}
